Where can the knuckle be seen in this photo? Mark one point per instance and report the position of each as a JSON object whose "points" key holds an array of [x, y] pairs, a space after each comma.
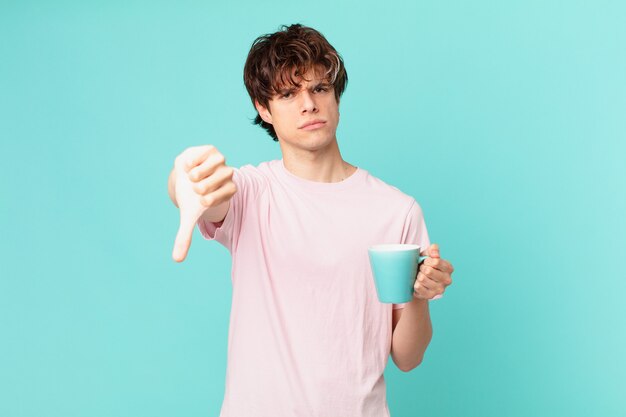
{"points": [[181, 160], [208, 200], [191, 152], [200, 188]]}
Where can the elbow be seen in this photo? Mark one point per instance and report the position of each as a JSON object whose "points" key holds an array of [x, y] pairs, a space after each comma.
{"points": [[409, 367], [409, 361], [408, 364], [408, 358]]}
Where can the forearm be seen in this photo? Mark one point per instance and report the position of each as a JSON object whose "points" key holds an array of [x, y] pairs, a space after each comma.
{"points": [[412, 335]]}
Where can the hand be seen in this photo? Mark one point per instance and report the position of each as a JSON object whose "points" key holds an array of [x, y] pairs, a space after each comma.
{"points": [[203, 181], [434, 276]]}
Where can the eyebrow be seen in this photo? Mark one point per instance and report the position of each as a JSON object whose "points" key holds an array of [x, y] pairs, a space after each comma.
{"points": [[286, 90], [322, 83]]}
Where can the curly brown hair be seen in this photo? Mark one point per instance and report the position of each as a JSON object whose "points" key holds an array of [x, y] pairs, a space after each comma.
{"points": [[275, 58]]}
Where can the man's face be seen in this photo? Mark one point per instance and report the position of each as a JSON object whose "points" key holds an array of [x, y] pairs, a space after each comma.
{"points": [[294, 107]]}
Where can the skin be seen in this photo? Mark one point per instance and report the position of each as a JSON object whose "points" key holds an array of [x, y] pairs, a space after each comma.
{"points": [[412, 328], [313, 154], [201, 186]]}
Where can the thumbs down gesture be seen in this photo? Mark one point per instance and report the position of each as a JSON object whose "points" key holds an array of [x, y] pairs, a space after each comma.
{"points": [[203, 183]]}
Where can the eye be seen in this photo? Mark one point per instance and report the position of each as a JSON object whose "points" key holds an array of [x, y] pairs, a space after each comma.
{"points": [[321, 88]]}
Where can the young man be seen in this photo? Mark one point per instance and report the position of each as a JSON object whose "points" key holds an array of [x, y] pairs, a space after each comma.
{"points": [[308, 336]]}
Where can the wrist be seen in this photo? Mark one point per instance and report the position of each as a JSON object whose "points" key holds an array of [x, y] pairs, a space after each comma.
{"points": [[419, 302]]}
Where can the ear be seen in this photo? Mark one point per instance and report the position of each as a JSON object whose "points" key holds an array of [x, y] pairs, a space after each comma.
{"points": [[263, 112]]}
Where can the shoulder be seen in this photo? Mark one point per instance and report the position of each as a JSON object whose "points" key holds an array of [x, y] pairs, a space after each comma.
{"points": [[251, 180], [390, 193], [251, 173], [394, 200]]}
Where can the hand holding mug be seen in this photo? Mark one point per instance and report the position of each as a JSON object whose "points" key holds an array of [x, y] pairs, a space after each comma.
{"points": [[395, 272], [435, 274]]}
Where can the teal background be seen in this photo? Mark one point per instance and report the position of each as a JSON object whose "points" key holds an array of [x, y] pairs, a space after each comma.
{"points": [[505, 120]]}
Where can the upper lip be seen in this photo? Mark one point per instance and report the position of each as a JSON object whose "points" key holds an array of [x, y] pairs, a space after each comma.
{"points": [[312, 122]]}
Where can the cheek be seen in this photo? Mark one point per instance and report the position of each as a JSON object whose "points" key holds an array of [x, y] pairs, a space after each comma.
{"points": [[285, 125], [335, 118], [333, 112]]}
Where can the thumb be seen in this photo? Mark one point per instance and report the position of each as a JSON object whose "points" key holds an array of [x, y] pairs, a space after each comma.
{"points": [[183, 237], [432, 251]]}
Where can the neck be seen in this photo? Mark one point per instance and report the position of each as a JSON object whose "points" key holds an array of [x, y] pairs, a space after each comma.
{"points": [[324, 165]]}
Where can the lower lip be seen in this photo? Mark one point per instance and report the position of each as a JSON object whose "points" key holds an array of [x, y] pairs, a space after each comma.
{"points": [[313, 126]]}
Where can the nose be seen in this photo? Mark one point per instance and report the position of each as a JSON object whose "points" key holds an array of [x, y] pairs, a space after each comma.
{"points": [[308, 102]]}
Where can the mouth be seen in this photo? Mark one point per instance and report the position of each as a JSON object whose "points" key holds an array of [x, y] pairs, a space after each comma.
{"points": [[315, 124]]}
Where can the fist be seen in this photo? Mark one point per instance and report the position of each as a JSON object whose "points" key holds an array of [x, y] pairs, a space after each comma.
{"points": [[203, 182], [203, 170], [434, 276]]}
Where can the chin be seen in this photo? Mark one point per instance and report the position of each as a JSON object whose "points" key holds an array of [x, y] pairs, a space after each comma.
{"points": [[309, 140], [316, 142]]}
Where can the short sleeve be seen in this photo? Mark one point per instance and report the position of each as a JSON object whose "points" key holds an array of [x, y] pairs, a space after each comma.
{"points": [[414, 232], [250, 183]]}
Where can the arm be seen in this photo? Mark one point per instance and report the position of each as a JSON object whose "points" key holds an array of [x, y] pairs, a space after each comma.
{"points": [[412, 329], [412, 332]]}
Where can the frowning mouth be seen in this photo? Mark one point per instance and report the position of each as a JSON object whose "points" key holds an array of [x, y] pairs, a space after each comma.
{"points": [[313, 124]]}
